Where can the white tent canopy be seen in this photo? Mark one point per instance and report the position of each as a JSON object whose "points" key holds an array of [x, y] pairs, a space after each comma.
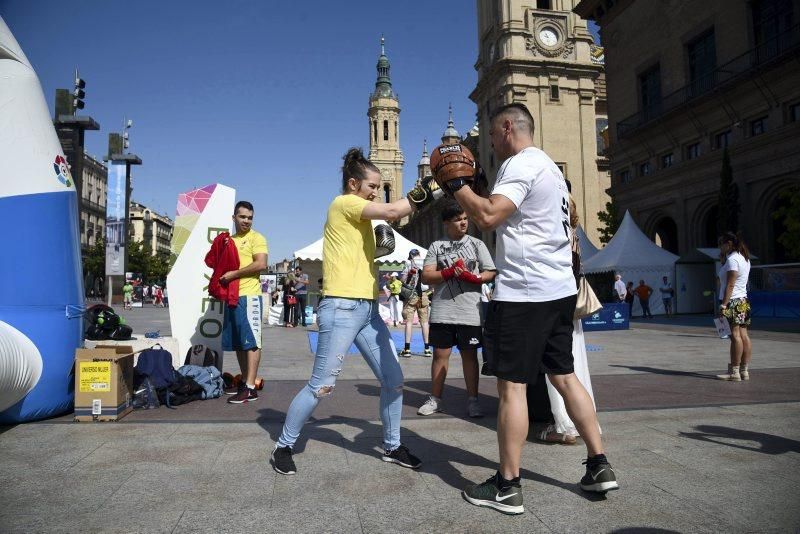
{"points": [[587, 247], [630, 250], [402, 247], [631, 254]]}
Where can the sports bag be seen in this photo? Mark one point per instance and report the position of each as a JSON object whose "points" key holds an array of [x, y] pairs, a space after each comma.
{"points": [[208, 378], [202, 356]]}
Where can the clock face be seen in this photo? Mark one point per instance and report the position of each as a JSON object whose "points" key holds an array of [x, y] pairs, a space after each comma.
{"points": [[548, 36]]}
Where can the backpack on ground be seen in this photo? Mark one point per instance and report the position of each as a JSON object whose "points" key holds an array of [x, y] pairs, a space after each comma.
{"points": [[102, 323], [153, 378], [203, 356], [208, 378]]}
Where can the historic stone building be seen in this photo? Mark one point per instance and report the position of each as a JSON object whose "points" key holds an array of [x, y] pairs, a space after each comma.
{"points": [[153, 229], [687, 80], [94, 190], [541, 54], [384, 132]]}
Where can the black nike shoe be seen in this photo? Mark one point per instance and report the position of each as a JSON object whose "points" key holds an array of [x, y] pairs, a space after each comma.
{"points": [[282, 461], [599, 476], [503, 495], [402, 456]]}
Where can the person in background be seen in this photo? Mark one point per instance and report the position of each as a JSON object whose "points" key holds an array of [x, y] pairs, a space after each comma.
{"points": [[289, 302], [127, 295], [734, 304], [301, 293], [629, 298], [619, 288], [395, 306], [666, 295], [418, 303], [643, 291]]}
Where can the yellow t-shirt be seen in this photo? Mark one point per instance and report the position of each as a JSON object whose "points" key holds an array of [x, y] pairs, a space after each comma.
{"points": [[394, 286], [248, 245], [348, 251]]}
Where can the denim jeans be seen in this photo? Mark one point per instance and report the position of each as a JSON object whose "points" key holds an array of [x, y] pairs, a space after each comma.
{"points": [[302, 300], [341, 323]]}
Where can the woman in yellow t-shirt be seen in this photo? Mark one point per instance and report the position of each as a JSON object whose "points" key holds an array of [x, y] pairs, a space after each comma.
{"points": [[349, 311]]}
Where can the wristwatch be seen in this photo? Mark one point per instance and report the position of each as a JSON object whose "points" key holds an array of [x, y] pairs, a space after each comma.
{"points": [[456, 184]]}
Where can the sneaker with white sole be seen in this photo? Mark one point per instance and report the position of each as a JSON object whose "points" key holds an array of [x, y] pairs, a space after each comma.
{"points": [[474, 409], [600, 476], [427, 353], [431, 406], [282, 460], [503, 495], [402, 456], [405, 353]]}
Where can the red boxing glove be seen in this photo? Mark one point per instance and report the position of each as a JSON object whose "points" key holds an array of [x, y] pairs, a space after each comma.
{"points": [[467, 276], [450, 272]]}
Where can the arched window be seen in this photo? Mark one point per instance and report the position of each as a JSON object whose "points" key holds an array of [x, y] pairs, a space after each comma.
{"points": [[395, 131], [387, 193], [385, 130], [374, 131]]}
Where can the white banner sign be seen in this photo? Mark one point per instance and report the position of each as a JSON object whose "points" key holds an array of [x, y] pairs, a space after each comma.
{"points": [[196, 317]]}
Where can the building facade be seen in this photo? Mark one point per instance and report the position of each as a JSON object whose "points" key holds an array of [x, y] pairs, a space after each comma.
{"points": [[710, 76], [94, 191], [384, 132], [153, 229], [541, 54]]}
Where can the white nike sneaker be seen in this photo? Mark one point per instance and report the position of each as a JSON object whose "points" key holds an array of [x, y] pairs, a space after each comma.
{"points": [[431, 406]]}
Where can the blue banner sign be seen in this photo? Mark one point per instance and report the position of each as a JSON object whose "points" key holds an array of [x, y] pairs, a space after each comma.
{"points": [[611, 317]]}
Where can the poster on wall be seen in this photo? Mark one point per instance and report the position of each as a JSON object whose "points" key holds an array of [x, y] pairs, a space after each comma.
{"points": [[115, 220]]}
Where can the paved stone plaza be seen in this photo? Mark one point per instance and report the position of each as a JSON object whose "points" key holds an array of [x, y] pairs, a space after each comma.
{"points": [[692, 454]]}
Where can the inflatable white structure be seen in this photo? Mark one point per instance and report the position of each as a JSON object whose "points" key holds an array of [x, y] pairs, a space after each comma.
{"points": [[195, 317], [41, 290]]}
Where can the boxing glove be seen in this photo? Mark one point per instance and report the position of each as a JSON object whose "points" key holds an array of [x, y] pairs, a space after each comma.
{"points": [[384, 240], [425, 192]]}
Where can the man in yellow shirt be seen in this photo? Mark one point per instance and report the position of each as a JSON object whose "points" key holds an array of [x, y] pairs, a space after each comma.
{"points": [[242, 325], [395, 306]]}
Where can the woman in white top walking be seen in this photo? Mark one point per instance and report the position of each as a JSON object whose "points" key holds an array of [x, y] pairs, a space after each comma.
{"points": [[734, 305]]}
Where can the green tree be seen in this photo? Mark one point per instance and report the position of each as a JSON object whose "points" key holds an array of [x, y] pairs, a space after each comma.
{"points": [[94, 264], [728, 198], [158, 267], [789, 215], [138, 258], [611, 220]]}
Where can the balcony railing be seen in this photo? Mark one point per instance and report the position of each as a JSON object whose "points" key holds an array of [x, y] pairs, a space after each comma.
{"points": [[756, 58]]}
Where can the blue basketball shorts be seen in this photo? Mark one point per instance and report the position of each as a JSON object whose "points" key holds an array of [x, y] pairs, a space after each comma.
{"points": [[242, 325]]}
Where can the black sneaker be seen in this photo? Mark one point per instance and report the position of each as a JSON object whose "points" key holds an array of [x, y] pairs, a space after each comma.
{"points": [[401, 456], [599, 476], [244, 396], [233, 390], [405, 353], [503, 495], [282, 460]]}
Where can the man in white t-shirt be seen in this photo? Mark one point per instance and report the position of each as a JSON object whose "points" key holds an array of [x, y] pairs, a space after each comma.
{"points": [[619, 288], [530, 321]]}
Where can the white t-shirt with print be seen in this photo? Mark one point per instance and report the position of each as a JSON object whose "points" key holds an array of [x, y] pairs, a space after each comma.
{"points": [[735, 262], [534, 257]]}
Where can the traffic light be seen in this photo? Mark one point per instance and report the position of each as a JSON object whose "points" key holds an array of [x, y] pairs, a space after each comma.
{"points": [[78, 94]]}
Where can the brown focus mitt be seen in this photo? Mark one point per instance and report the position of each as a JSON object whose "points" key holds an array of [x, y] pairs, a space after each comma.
{"points": [[452, 163]]}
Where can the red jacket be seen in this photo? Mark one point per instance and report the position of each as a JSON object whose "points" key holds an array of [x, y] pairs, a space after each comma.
{"points": [[223, 257]]}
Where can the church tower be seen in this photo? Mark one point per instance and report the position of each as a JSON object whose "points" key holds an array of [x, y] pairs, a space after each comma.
{"points": [[450, 135], [384, 132], [424, 165], [542, 54]]}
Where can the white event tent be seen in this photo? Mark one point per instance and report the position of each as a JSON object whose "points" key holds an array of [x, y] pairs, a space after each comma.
{"points": [[402, 247], [587, 247], [632, 254]]}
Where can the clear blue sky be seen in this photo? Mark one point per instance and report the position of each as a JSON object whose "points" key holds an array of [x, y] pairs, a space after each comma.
{"points": [[261, 96]]}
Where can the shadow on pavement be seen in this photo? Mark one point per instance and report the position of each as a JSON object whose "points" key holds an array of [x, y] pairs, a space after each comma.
{"points": [[419, 445], [658, 371], [769, 444]]}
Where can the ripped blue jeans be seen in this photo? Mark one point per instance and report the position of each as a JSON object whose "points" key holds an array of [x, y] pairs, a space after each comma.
{"points": [[343, 322]]}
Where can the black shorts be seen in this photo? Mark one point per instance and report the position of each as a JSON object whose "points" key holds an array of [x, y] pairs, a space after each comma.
{"points": [[520, 338], [465, 337]]}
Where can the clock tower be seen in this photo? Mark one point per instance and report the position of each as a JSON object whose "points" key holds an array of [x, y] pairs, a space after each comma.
{"points": [[541, 54], [384, 133]]}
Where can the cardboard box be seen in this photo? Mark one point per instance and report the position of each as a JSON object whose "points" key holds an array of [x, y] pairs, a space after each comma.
{"points": [[103, 383]]}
